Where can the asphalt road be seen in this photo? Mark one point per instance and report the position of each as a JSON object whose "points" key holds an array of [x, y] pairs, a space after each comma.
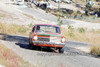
{"points": [[47, 58]]}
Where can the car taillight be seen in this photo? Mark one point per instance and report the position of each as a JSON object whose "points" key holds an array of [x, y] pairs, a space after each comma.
{"points": [[63, 40], [35, 37]]}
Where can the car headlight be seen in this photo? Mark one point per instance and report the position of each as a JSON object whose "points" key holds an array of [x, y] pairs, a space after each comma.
{"points": [[35, 37], [63, 40]]}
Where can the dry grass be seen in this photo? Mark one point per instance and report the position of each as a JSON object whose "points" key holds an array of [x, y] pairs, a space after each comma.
{"points": [[90, 37], [14, 29], [9, 59], [95, 50], [30, 16]]}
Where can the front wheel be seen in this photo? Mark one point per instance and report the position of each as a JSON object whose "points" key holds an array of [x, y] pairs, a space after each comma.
{"points": [[32, 46], [61, 50]]}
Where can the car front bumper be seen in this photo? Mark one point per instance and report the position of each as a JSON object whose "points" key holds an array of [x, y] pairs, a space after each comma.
{"points": [[49, 43]]}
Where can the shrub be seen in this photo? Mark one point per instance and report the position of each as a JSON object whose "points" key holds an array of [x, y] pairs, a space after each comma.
{"points": [[95, 50], [71, 34], [58, 19], [81, 30], [71, 29], [60, 22]]}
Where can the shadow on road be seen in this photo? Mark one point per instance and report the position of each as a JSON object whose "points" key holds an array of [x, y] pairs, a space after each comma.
{"points": [[21, 41]]}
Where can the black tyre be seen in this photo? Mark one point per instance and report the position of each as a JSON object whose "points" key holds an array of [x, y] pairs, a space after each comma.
{"points": [[32, 46], [39, 48], [61, 50]]}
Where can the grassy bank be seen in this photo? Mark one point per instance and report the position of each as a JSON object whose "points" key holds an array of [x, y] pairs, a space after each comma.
{"points": [[82, 35], [14, 29], [9, 59]]}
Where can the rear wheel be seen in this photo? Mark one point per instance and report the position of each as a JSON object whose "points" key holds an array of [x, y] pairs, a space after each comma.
{"points": [[61, 50]]}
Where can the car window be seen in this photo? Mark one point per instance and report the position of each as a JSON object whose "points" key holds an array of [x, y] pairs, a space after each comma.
{"points": [[48, 28]]}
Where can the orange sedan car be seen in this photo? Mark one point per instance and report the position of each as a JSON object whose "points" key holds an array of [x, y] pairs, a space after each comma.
{"points": [[46, 35]]}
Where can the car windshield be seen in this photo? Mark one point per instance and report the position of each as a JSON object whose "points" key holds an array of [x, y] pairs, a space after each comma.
{"points": [[48, 28]]}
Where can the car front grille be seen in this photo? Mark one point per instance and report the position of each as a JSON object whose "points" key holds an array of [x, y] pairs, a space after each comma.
{"points": [[49, 39], [43, 39]]}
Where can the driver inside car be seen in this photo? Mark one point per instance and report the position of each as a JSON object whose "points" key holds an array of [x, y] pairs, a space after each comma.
{"points": [[38, 28]]}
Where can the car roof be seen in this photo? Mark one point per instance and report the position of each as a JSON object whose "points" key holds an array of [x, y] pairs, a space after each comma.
{"points": [[47, 24]]}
